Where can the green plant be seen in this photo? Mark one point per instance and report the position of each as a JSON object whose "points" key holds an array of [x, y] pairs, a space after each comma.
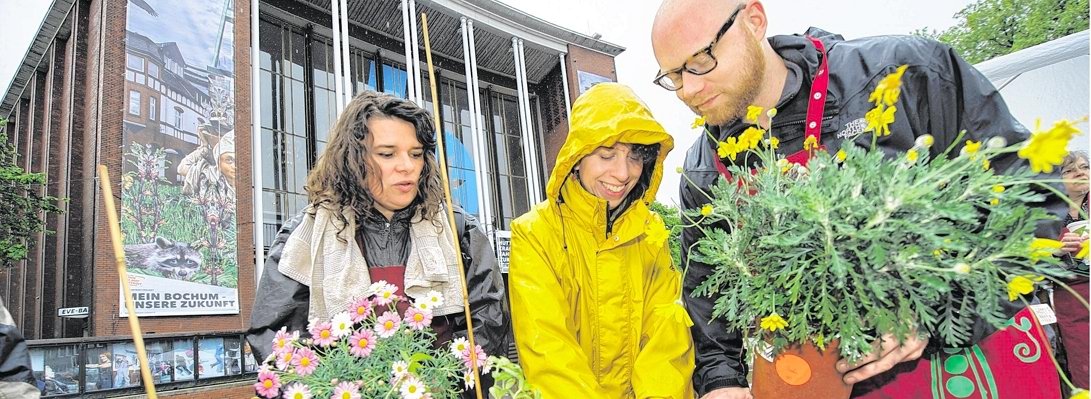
{"points": [[858, 244], [23, 204]]}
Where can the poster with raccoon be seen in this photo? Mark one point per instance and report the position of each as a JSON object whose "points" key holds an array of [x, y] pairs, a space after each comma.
{"points": [[178, 176]]}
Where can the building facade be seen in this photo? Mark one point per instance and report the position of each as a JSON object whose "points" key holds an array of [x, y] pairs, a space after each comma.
{"points": [[208, 115]]}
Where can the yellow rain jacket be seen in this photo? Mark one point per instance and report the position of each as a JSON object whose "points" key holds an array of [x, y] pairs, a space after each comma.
{"points": [[598, 315]]}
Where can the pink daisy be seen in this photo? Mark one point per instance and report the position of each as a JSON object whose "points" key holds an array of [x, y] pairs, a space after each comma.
{"points": [[360, 310], [418, 319], [268, 384], [297, 391], [282, 342], [285, 359], [322, 333], [362, 343], [387, 294], [465, 356], [346, 390], [305, 362], [387, 324]]}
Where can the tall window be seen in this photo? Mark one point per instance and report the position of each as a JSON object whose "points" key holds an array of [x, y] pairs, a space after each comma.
{"points": [[134, 62], [153, 108], [510, 172], [284, 107], [134, 102]]}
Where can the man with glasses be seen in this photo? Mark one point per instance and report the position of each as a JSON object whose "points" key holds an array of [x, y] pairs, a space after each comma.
{"points": [[713, 54]]}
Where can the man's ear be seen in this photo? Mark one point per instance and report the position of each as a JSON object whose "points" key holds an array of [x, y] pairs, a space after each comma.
{"points": [[756, 19]]}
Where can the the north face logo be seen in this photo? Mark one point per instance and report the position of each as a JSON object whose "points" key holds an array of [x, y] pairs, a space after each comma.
{"points": [[853, 129]]}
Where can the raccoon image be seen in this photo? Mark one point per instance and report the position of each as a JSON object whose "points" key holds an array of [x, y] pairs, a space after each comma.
{"points": [[175, 260]]}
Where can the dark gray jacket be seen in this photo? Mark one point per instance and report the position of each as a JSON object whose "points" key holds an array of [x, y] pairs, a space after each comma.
{"points": [[283, 302], [941, 95]]}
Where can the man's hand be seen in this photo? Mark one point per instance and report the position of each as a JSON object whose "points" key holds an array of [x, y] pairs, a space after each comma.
{"points": [[1072, 242], [884, 356], [729, 393]]}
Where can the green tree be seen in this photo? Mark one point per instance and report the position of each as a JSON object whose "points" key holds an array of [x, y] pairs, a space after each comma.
{"points": [[991, 28], [22, 207], [673, 219]]}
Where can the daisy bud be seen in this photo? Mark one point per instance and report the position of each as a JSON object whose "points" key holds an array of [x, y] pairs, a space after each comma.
{"points": [[996, 142], [961, 268], [925, 141]]}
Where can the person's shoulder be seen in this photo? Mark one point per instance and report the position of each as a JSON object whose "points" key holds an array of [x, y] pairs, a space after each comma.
{"points": [[888, 49], [538, 220]]}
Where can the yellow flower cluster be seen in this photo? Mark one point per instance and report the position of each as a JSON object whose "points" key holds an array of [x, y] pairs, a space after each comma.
{"points": [[1043, 247], [885, 95], [1021, 285], [1047, 149], [773, 322]]}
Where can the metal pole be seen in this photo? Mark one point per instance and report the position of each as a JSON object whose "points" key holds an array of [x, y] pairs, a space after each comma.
{"points": [[255, 138], [339, 94], [415, 70], [410, 86], [483, 136], [346, 68]]}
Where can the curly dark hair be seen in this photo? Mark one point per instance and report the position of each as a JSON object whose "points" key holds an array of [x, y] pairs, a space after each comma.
{"points": [[339, 178]]}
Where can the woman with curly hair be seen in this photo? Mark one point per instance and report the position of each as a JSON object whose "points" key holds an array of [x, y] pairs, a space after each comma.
{"points": [[375, 214]]}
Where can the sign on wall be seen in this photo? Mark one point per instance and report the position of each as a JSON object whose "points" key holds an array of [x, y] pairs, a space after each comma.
{"points": [[178, 174]]}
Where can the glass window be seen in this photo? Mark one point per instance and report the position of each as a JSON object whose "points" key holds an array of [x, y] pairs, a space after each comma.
{"points": [[153, 70], [160, 360], [395, 80], [56, 370], [178, 117], [181, 359], [153, 108], [250, 365], [134, 102], [362, 65], [126, 366], [134, 62], [211, 354], [232, 359]]}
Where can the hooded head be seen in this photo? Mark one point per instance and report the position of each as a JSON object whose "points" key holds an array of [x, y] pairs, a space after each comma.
{"points": [[607, 115]]}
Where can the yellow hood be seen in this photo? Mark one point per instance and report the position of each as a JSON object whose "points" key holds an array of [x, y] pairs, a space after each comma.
{"points": [[606, 114]]}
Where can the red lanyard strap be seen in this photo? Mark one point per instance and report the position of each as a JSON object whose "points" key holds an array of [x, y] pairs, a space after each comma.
{"points": [[816, 106]]}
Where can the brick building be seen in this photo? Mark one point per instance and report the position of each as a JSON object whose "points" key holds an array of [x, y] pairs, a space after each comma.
{"points": [[103, 77]]}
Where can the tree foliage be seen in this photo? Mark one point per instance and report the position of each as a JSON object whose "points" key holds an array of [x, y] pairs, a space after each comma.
{"points": [[672, 219], [991, 28], [23, 204]]}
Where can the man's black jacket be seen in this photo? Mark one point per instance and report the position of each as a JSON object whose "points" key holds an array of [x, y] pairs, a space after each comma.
{"points": [[941, 95]]}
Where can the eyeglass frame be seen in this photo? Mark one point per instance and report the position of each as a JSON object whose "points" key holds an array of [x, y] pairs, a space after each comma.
{"points": [[707, 50]]}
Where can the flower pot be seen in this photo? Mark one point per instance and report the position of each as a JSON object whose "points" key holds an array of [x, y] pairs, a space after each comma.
{"points": [[799, 372]]}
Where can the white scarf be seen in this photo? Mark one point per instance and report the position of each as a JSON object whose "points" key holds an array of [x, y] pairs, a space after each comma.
{"points": [[337, 272]]}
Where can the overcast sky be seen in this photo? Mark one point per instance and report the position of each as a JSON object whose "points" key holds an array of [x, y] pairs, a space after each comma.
{"points": [[626, 23]]}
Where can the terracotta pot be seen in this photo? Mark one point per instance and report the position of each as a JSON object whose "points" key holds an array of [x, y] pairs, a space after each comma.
{"points": [[800, 372]]}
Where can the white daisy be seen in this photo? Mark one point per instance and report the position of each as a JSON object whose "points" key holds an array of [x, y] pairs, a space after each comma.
{"points": [[459, 345], [342, 325], [412, 388]]}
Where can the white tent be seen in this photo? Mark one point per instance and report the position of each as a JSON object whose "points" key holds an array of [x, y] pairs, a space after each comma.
{"points": [[1047, 81]]}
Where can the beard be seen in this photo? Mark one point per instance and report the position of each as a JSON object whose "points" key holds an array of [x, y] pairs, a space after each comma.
{"points": [[735, 98]]}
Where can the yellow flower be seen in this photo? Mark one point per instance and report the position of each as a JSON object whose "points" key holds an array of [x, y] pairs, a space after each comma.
{"points": [[912, 155], [972, 147], [771, 113], [657, 234], [937, 253], [784, 165], [879, 120], [750, 138], [925, 141], [889, 88], [773, 142], [1047, 149], [700, 121], [994, 201], [998, 189], [961, 268], [678, 169], [1021, 285], [985, 165], [752, 113], [810, 143], [706, 210], [729, 148], [1043, 247], [1079, 394], [773, 322], [1083, 250], [841, 155]]}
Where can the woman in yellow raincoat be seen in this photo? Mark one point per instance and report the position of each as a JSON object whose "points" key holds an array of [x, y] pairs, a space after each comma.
{"points": [[595, 299]]}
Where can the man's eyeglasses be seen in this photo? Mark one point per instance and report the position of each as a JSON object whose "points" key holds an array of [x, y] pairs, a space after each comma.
{"points": [[699, 63]]}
